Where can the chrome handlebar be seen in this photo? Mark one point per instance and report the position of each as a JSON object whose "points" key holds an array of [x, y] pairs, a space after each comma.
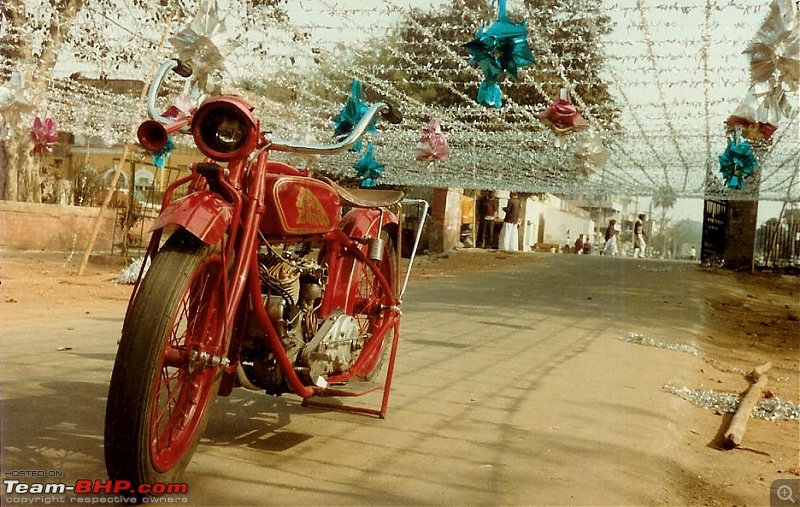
{"points": [[181, 69], [389, 113], [329, 149]]}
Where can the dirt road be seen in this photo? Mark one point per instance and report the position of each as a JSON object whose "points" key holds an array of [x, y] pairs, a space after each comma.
{"points": [[513, 387]]}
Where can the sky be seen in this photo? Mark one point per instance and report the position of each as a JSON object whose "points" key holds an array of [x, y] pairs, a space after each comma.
{"points": [[692, 209]]}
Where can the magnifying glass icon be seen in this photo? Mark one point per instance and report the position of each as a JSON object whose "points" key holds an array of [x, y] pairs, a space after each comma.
{"points": [[785, 493]]}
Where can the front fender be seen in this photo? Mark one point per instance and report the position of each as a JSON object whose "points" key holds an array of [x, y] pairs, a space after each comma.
{"points": [[204, 214]]}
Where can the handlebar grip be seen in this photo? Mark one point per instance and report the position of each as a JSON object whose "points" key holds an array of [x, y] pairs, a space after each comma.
{"points": [[392, 114], [183, 69]]}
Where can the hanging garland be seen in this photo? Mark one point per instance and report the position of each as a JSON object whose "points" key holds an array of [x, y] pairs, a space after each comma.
{"points": [[432, 145], [44, 135], [500, 48], [562, 117], [746, 117], [352, 112], [368, 168], [738, 162]]}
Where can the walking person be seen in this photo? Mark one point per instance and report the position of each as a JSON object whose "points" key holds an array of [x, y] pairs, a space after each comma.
{"points": [[509, 234], [639, 238], [579, 245], [610, 246]]}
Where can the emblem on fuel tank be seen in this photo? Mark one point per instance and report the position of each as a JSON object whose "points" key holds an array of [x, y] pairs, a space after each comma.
{"points": [[310, 210]]}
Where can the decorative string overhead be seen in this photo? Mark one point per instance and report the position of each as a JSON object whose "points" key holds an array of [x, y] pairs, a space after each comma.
{"points": [[675, 70]]}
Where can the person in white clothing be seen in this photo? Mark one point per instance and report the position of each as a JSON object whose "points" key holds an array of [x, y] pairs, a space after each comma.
{"points": [[509, 234], [610, 246], [639, 238]]}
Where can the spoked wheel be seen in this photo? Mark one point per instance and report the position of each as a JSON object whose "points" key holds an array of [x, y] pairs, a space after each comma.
{"points": [[167, 368], [370, 309]]}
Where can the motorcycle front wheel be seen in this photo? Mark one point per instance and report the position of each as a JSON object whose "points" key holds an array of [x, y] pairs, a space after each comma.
{"points": [[167, 368]]}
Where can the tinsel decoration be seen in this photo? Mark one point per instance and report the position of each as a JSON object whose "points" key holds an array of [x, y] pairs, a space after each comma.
{"points": [[747, 117], [738, 162], [775, 49], [44, 135], [500, 48], [183, 107], [205, 43], [160, 157], [352, 112], [368, 169], [773, 103], [13, 98], [432, 145], [562, 117], [590, 153]]}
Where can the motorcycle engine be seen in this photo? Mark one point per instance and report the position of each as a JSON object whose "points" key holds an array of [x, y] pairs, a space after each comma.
{"points": [[292, 287], [291, 291]]}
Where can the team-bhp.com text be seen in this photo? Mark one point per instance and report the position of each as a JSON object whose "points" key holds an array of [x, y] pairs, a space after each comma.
{"points": [[94, 489]]}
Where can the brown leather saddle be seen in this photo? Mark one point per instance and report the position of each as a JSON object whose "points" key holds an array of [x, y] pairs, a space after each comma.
{"points": [[366, 198]]}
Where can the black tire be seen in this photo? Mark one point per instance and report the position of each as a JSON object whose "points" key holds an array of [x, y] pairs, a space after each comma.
{"points": [[160, 392]]}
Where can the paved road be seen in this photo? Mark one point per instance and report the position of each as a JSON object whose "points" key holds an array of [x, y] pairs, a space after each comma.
{"points": [[511, 388]]}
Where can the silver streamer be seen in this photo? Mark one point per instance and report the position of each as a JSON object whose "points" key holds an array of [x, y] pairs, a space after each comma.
{"points": [[644, 340], [130, 274], [775, 50], [770, 409], [205, 43], [590, 154]]}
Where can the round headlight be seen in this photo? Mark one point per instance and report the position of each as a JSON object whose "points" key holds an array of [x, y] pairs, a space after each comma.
{"points": [[224, 129]]}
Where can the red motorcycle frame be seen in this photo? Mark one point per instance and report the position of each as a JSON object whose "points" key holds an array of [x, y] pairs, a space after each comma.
{"points": [[227, 303]]}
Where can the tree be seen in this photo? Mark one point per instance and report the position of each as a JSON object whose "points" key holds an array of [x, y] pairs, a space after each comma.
{"points": [[424, 59], [107, 36], [664, 199]]}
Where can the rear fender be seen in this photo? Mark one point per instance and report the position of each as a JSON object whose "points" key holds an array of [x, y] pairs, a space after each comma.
{"points": [[345, 278], [362, 222], [204, 214]]}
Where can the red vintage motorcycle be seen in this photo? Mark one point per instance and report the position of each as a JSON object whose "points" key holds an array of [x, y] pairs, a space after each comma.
{"points": [[257, 279]]}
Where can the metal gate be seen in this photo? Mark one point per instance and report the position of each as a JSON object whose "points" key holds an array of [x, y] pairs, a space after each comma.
{"points": [[715, 223]]}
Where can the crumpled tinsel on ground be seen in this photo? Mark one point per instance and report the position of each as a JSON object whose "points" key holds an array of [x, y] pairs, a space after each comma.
{"points": [[770, 409], [131, 272], [644, 340], [656, 270]]}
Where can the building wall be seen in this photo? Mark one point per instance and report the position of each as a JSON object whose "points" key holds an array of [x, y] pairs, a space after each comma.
{"points": [[445, 226], [562, 227], [54, 228]]}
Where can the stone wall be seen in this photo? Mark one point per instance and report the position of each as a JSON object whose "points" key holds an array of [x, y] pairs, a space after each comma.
{"points": [[54, 228]]}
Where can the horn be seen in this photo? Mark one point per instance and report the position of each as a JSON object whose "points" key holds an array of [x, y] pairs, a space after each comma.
{"points": [[153, 134]]}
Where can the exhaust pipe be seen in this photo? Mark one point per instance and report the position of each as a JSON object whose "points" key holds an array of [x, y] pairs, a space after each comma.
{"points": [[153, 134]]}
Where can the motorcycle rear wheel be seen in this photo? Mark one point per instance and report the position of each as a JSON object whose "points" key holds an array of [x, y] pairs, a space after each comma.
{"points": [[369, 309], [167, 371]]}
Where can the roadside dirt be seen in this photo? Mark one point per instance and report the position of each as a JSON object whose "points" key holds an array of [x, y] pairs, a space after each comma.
{"points": [[750, 318]]}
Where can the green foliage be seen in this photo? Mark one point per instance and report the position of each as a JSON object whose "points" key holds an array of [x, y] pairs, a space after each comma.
{"points": [[425, 61]]}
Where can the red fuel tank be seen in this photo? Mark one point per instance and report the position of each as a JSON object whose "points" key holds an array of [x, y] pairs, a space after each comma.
{"points": [[299, 205]]}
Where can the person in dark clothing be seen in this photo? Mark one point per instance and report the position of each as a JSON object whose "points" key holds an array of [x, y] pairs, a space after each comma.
{"points": [[488, 211], [579, 244]]}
